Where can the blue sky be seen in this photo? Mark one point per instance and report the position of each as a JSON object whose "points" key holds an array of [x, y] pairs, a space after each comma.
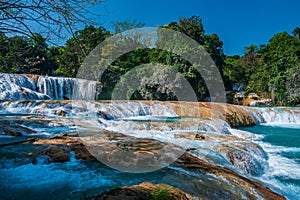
{"points": [[238, 23]]}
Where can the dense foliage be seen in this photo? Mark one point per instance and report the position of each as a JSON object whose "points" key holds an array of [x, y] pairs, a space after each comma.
{"points": [[270, 70]]}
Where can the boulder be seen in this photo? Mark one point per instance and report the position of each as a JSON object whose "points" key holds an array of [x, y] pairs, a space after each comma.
{"points": [[54, 153], [145, 191]]}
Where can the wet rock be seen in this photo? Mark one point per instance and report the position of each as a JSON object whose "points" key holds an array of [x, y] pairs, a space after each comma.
{"points": [[199, 136], [236, 116], [190, 136], [58, 140], [16, 152], [246, 162], [211, 181], [192, 149], [145, 191], [129, 153], [55, 153], [61, 113], [117, 150], [104, 115], [14, 129], [243, 154], [74, 144], [246, 155], [235, 186], [81, 153]]}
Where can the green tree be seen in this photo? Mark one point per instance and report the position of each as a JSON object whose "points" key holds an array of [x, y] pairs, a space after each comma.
{"points": [[293, 85], [272, 66], [233, 71], [296, 33], [21, 54], [73, 54], [194, 28]]}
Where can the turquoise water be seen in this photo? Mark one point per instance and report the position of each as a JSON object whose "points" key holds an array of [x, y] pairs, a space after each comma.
{"points": [[282, 143], [281, 135]]}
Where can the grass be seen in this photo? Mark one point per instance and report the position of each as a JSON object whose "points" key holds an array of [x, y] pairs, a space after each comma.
{"points": [[160, 193]]}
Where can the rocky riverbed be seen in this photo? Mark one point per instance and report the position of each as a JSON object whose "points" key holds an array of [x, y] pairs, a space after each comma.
{"points": [[191, 146]]}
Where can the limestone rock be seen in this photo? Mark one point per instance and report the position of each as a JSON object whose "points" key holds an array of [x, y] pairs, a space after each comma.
{"points": [[236, 116]]}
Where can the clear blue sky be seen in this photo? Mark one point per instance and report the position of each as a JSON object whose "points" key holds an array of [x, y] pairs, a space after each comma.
{"points": [[238, 23]]}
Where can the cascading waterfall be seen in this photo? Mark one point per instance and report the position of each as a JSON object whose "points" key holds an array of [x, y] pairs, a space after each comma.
{"points": [[22, 87], [275, 115], [150, 120], [56, 88], [217, 142], [277, 132], [112, 111], [19, 87]]}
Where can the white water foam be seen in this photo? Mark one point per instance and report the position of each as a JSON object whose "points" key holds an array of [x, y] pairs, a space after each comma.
{"points": [[67, 179], [282, 167], [22, 87], [245, 134], [275, 115], [279, 166]]}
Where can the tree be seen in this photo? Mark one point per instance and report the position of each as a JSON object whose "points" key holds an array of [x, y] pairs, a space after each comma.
{"points": [[20, 54], [273, 66], [296, 33], [121, 26], [194, 28], [233, 70], [293, 85], [71, 56], [49, 18], [214, 46]]}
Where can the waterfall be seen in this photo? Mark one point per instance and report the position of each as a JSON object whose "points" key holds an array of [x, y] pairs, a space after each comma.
{"points": [[19, 87], [24, 87], [56, 87], [110, 111], [276, 115], [117, 110]]}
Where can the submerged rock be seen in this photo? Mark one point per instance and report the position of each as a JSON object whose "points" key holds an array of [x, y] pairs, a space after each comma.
{"points": [[16, 153]]}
